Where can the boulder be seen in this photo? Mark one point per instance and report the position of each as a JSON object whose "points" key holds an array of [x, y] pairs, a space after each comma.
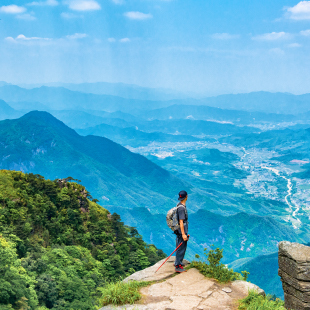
{"points": [[294, 270]]}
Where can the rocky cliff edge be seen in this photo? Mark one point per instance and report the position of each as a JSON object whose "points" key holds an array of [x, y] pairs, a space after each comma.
{"points": [[186, 291]]}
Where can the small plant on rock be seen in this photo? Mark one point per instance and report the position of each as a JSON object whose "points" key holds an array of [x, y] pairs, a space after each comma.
{"points": [[254, 301], [215, 269]]}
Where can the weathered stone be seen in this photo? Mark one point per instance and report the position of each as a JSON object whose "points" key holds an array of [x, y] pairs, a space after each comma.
{"points": [[195, 288], [303, 296], [217, 300], [149, 274], [294, 270], [292, 302], [188, 290], [244, 287], [160, 289], [227, 289], [185, 279], [295, 251], [299, 271], [205, 294], [184, 303], [297, 284]]}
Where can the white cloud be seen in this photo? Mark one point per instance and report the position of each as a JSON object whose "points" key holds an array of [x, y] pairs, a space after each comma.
{"points": [[273, 36], [12, 9], [305, 33], [83, 5], [44, 3], [76, 36], [225, 36], [294, 45], [124, 40], [300, 11], [26, 17], [111, 40], [23, 38], [138, 15]]}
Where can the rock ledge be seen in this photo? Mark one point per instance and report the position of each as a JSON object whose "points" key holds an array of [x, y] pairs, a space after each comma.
{"points": [[186, 291]]}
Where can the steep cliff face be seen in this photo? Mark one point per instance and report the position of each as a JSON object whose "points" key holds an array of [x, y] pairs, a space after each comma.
{"points": [[294, 270]]}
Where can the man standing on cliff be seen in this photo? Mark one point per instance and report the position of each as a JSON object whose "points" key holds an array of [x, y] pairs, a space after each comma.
{"points": [[181, 232]]}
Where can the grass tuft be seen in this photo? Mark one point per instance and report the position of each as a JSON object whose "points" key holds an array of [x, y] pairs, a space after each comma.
{"points": [[215, 269], [121, 293], [258, 302]]}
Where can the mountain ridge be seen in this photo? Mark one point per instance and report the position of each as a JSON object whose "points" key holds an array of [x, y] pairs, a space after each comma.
{"points": [[31, 145]]}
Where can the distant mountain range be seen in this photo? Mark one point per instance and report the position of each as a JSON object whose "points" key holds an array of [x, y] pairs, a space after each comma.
{"points": [[200, 112], [171, 127], [8, 112], [39, 143], [133, 137], [283, 103], [59, 98], [123, 90], [132, 99]]}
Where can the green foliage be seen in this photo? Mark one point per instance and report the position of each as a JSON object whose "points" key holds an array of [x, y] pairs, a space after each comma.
{"points": [[121, 293], [215, 269], [16, 286], [258, 302], [57, 247]]}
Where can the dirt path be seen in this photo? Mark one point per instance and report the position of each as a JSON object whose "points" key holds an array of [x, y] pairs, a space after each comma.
{"points": [[187, 291]]}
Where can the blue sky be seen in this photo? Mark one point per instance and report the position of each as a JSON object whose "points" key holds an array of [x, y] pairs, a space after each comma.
{"points": [[203, 46]]}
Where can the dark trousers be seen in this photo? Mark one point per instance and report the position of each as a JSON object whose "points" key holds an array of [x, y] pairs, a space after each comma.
{"points": [[179, 254]]}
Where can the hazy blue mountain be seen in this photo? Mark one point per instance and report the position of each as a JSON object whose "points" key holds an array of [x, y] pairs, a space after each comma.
{"points": [[28, 106], [201, 112], [59, 98], [285, 142], [7, 112], [131, 136], [263, 272], [2, 83], [129, 91], [283, 103], [39, 143], [241, 235], [193, 127], [117, 114], [78, 119], [91, 118]]}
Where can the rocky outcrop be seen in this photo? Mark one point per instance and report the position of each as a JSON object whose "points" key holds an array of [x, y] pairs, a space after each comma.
{"points": [[294, 270], [187, 291]]}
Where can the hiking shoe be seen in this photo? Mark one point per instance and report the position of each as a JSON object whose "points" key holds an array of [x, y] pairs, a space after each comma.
{"points": [[179, 269]]}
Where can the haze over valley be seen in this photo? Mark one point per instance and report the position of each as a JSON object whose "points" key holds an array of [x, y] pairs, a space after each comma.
{"points": [[246, 169]]}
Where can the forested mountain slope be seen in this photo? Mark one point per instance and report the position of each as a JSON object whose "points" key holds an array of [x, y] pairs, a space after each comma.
{"points": [[39, 143], [57, 247]]}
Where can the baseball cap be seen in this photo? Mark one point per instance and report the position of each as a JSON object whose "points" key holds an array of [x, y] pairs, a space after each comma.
{"points": [[182, 195]]}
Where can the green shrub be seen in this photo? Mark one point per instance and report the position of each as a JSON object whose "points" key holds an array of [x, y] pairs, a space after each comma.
{"points": [[215, 269], [258, 302], [121, 293]]}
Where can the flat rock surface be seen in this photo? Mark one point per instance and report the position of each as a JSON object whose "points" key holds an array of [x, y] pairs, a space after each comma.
{"points": [[296, 251], [149, 274], [186, 291]]}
